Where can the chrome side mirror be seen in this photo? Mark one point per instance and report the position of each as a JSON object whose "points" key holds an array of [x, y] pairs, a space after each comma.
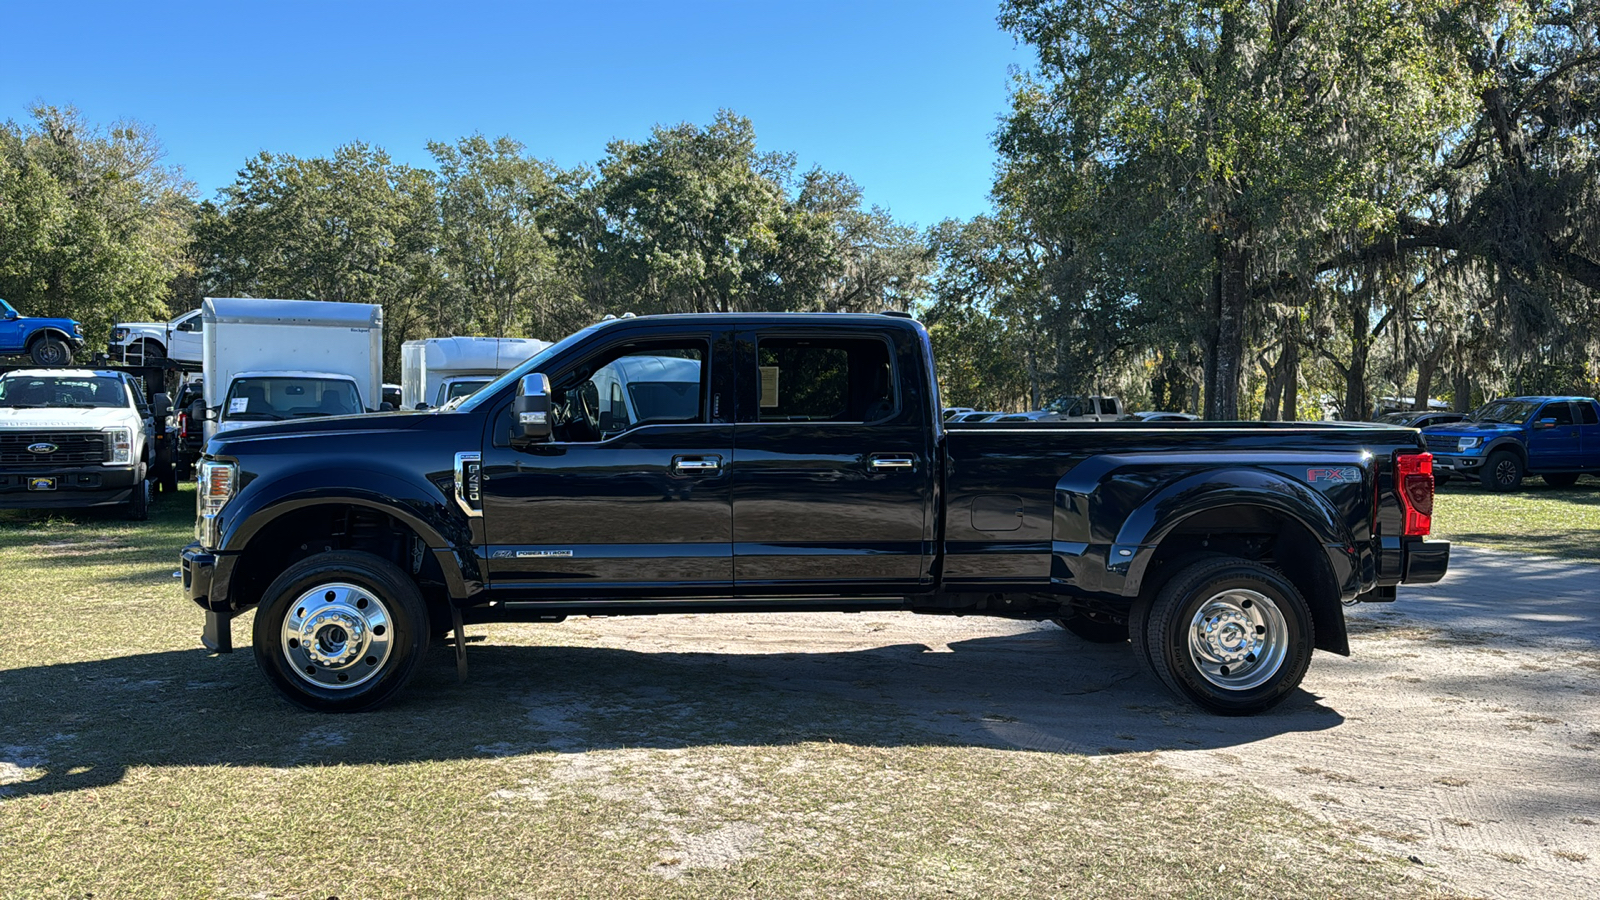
{"points": [[533, 408]]}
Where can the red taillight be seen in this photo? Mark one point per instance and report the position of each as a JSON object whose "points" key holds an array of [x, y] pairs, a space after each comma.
{"points": [[183, 423], [1413, 475]]}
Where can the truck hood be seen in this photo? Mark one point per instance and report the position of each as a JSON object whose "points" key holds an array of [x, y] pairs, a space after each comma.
{"points": [[312, 427], [13, 419], [1485, 430], [41, 321], [159, 326]]}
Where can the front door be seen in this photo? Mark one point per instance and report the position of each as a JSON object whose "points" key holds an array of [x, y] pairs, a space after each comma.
{"points": [[833, 465], [631, 494], [184, 343], [1554, 443]]}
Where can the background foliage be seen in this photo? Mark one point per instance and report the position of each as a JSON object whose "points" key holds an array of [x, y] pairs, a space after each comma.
{"points": [[1269, 208]]}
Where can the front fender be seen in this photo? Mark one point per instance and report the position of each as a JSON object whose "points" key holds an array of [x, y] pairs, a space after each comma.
{"points": [[51, 331], [424, 506]]}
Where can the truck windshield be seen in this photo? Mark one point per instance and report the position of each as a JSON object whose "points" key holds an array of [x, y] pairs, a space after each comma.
{"points": [[71, 392], [532, 365], [464, 388], [7, 309], [269, 399], [1511, 412]]}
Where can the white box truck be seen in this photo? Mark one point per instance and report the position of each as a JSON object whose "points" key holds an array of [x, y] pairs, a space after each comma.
{"points": [[270, 360], [435, 371]]}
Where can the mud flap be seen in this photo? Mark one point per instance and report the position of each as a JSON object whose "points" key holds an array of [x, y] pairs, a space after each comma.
{"points": [[461, 644], [218, 632]]}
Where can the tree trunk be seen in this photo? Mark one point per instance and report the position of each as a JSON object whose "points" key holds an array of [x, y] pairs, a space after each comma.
{"points": [[1227, 354], [1356, 408], [1291, 380], [1425, 369], [1269, 403], [1462, 390]]}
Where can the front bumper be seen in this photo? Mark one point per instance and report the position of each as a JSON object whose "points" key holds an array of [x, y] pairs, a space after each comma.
{"points": [[205, 583], [1456, 465], [76, 488]]}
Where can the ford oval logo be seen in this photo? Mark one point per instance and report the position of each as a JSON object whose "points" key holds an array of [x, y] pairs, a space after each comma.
{"points": [[42, 448]]}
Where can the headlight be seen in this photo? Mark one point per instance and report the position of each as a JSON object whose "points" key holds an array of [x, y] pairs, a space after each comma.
{"points": [[120, 449], [77, 329], [1466, 444], [118, 334], [217, 483]]}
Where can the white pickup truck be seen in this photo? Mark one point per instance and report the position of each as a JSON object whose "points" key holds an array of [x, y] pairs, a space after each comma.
{"points": [[75, 438], [143, 343]]}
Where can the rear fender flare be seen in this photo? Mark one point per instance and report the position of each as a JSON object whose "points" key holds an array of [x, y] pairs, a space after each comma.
{"points": [[1164, 511]]}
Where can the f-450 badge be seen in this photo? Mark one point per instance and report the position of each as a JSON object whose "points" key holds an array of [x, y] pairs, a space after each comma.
{"points": [[1337, 475]]}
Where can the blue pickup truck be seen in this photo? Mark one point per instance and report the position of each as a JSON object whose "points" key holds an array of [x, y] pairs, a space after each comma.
{"points": [[1556, 438], [46, 341]]}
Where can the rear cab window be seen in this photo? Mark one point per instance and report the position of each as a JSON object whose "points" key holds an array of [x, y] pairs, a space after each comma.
{"points": [[824, 378]]}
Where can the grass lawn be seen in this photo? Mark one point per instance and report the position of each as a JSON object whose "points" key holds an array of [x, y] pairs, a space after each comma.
{"points": [[132, 764], [1537, 519]]}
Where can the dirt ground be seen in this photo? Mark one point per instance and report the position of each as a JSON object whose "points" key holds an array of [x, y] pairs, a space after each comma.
{"points": [[1463, 732]]}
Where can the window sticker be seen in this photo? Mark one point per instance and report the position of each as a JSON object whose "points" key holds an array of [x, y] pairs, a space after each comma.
{"points": [[769, 386], [238, 405]]}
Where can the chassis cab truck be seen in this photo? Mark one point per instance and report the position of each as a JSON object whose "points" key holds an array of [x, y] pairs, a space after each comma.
{"points": [[434, 371], [277, 360], [795, 462]]}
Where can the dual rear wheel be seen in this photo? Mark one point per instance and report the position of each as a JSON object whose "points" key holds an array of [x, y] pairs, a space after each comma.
{"points": [[1231, 635]]}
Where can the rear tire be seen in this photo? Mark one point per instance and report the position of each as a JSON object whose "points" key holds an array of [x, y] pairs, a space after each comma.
{"points": [[341, 631], [1502, 471], [1230, 635], [49, 352], [1560, 479], [1096, 628]]}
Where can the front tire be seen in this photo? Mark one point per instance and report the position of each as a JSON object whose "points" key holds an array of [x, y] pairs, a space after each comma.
{"points": [[1230, 635], [151, 351], [1502, 471], [139, 503], [341, 631], [48, 352]]}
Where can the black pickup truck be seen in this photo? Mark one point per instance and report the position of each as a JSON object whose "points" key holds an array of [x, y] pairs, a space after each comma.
{"points": [[788, 462]]}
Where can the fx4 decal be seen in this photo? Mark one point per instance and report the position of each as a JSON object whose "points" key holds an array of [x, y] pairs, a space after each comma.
{"points": [[1337, 475]]}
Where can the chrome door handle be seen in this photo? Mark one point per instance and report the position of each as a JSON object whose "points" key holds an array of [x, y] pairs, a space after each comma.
{"points": [[696, 465], [892, 462]]}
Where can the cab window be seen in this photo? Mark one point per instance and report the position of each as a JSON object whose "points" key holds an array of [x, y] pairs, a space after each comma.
{"points": [[824, 379], [626, 387], [1561, 412]]}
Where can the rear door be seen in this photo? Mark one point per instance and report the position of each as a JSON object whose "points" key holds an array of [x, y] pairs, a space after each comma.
{"points": [[834, 466], [1588, 434], [626, 499]]}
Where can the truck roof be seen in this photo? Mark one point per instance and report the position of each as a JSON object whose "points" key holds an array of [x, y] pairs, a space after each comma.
{"points": [[261, 311]]}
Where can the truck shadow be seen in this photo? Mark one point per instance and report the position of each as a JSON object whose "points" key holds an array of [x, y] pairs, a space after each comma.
{"points": [[78, 726]]}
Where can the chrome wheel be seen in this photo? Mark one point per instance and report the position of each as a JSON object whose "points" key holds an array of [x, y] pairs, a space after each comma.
{"points": [[336, 636], [1238, 639]]}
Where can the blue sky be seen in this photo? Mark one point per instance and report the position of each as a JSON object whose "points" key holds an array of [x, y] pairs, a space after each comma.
{"points": [[903, 97]]}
